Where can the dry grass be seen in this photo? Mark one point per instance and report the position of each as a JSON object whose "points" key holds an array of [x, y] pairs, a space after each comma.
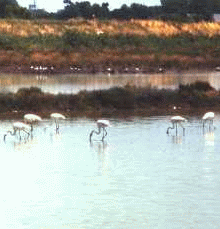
{"points": [[94, 42], [28, 28]]}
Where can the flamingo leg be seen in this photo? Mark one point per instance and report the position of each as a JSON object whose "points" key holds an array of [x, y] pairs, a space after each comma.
{"points": [[183, 129], [57, 126], [104, 133], [27, 133]]}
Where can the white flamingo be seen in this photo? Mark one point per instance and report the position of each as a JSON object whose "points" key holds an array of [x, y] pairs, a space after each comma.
{"points": [[19, 126], [208, 117], [101, 124], [31, 119], [175, 120], [57, 117]]}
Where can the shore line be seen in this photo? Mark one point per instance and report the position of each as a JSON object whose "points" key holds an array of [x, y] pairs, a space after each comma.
{"points": [[134, 68], [129, 101]]}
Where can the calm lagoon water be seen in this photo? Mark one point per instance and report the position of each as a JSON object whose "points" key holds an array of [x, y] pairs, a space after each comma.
{"points": [[139, 177], [73, 83]]}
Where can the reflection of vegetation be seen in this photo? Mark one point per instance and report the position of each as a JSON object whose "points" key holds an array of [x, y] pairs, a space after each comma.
{"points": [[129, 98]]}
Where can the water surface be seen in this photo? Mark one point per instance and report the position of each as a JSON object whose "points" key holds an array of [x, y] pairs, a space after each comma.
{"points": [[73, 83], [139, 177]]}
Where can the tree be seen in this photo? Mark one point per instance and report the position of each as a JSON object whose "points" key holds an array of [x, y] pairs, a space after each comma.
{"points": [[175, 6], [201, 7], [14, 11], [4, 4], [105, 10], [139, 11]]}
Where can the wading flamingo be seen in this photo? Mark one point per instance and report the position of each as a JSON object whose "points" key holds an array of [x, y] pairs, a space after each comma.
{"points": [[101, 124], [208, 117], [19, 126], [175, 120], [57, 117], [31, 119]]}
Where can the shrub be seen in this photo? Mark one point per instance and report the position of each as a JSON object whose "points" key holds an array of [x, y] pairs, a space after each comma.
{"points": [[32, 91], [198, 86]]}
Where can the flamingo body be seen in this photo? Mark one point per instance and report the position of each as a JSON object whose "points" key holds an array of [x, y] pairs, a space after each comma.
{"points": [[21, 126], [175, 120], [32, 118], [101, 124], [57, 116], [208, 116]]}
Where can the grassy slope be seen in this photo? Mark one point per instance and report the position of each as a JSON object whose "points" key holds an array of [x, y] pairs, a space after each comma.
{"points": [[104, 43]]}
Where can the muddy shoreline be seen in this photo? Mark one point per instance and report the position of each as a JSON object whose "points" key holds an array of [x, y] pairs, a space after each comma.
{"points": [[135, 68], [119, 114]]}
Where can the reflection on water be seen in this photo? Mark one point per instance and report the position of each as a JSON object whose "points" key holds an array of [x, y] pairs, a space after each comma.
{"points": [[177, 139], [209, 138], [72, 84], [139, 177], [101, 148]]}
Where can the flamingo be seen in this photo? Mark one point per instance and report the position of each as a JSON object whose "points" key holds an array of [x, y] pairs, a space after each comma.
{"points": [[208, 117], [31, 119], [175, 120], [19, 126], [101, 124], [56, 117]]}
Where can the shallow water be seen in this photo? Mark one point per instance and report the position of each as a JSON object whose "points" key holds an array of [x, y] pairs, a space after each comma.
{"points": [[73, 83], [139, 177]]}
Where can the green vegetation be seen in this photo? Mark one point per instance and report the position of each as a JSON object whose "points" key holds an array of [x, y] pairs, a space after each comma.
{"points": [[199, 95], [144, 43], [117, 48]]}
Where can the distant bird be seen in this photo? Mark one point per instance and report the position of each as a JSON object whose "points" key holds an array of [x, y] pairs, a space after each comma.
{"points": [[208, 117], [175, 120], [217, 68], [19, 126], [161, 69], [31, 119], [57, 117], [101, 124]]}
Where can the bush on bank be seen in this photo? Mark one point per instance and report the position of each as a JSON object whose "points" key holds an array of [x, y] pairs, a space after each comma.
{"points": [[128, 98]]}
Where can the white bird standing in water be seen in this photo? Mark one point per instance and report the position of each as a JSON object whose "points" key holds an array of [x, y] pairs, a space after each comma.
{"points": [[19, 126], [208, 117], [31, 119], [56, 117], [101, 124], [175, 120]]}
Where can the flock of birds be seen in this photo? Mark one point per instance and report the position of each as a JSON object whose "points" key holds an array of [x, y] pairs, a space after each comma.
{"points": [[27, 128], [207, 119], [30, 119], [179, 120]]}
